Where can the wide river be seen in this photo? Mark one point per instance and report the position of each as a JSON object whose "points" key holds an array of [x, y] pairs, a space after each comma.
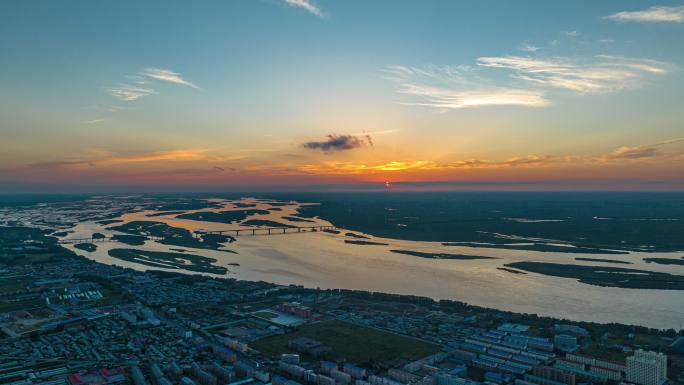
{"points": [[324, 260]]}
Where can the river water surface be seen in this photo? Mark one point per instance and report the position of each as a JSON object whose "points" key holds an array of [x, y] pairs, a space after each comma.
{"points": [[321, 259]]}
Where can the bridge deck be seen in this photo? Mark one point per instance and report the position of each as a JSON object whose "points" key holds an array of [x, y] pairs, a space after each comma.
{"points": [[268, 230], [236, 232]]}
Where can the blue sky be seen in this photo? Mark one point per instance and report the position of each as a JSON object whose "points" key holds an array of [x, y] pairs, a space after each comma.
{"points": [[446, 90]]}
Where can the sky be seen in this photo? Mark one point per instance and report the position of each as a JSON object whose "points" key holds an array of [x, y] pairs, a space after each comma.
{"points": [[280, 95]]}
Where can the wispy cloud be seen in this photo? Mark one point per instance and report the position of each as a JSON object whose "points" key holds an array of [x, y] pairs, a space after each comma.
{"points": [[336, 142], [173, 155], [626, 152], [641, 152], [524, 161], [456, 87], [381, 132], [106, 158], [130, 93], [167, 76], [644, 65], [655, 14], [527, 47], [138, 86], [601, 74], [307, 5], [94, 121]]}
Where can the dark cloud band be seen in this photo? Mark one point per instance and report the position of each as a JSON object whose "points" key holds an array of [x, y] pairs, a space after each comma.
{"points": [[336, 142]]}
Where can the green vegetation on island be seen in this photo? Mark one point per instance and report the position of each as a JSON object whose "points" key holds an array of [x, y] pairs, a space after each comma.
{"points": [[369, 243], [440, 255], [298, 219], [187, 204], [603, 260], [173, 235], [665, 261], [244, 205], [358, 236], [163, 213], [133, 240], [542, 247], [265, 223], [89, 247], [606, 276], [600, 221], [110, 221], [168, 260], [228, 216]]}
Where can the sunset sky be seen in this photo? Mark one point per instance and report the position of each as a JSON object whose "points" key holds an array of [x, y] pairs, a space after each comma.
{"points": [[235, 95]]}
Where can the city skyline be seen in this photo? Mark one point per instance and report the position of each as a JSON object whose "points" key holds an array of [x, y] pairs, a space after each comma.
{"points": [[341, 95]]}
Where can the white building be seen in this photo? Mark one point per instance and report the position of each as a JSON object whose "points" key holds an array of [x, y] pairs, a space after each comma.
{"points": [[647, 368]]}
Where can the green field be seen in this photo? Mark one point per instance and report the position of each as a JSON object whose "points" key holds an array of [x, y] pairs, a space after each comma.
{"points": [[604, 352], [265, 315], [21, 305], [362, 345], [8, 286]]}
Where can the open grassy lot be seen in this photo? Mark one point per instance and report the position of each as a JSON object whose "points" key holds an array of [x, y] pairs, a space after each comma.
{"points": [[604, 352], [9, 286], [362, 345], [7, 306], [265, 315]]}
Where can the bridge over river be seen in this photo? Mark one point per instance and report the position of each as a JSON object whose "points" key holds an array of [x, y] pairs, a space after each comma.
{"points": [[269, 230], [198, 233]]}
